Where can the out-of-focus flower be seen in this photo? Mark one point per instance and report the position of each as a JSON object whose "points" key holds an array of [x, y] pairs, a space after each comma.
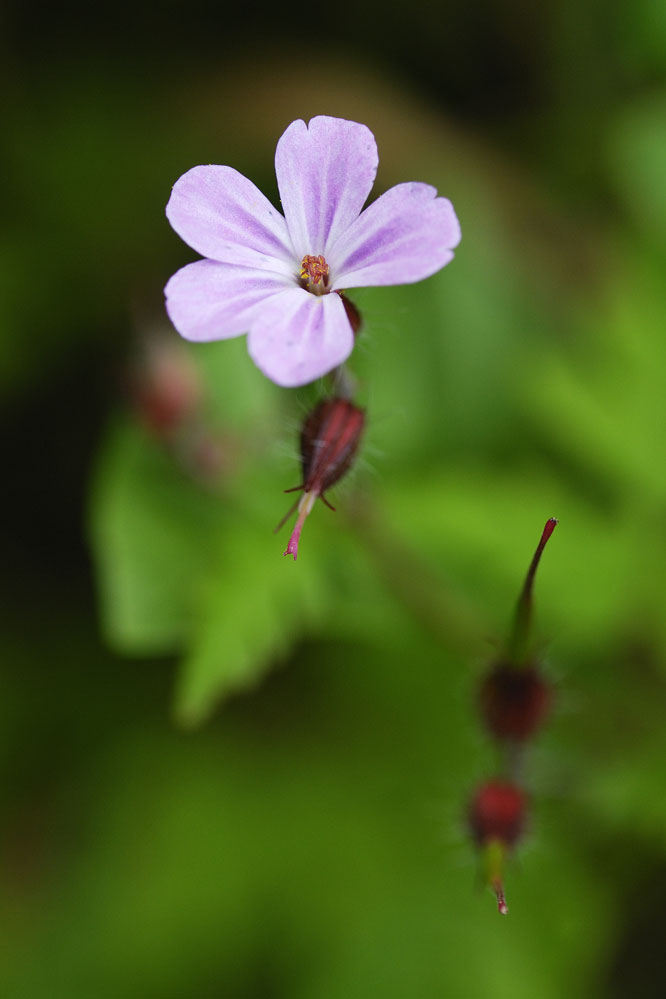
{"points": [[165, 386], [169, 399], [275, 277], [329, 441]]}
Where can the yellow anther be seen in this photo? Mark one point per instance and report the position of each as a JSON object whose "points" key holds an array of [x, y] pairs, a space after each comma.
{"points": [[314, 272]]}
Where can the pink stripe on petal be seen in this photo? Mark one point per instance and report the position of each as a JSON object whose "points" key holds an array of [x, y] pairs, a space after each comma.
{"points": [[222, 215], [297, 337], [325, 172], [211, 301], [405, 235]]}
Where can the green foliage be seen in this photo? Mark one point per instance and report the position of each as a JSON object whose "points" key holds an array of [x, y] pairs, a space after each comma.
{"points": [[250, 614], [152, 527], [299, 832]]}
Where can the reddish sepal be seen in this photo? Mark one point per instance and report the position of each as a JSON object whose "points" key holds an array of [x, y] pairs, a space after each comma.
{"points": [[497, 813], [514, 702]]}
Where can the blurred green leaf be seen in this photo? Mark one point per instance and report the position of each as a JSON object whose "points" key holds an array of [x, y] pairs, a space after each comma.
{"points": [[637, 157], [151, 530], [254, 605]]}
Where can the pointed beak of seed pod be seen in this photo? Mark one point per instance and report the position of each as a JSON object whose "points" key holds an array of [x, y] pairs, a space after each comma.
{"points": [[304, 508], [494, 854]]}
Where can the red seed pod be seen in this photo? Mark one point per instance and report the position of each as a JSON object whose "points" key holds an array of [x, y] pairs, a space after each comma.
{"points": [[514, 702], [329, 441], [330, 438], [497, 812], [496, 818]]}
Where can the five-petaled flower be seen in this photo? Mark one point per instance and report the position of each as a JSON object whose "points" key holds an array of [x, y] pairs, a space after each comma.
{"points": [[273, 276]]}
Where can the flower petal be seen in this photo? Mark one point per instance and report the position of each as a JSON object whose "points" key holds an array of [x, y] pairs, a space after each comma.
{"points": [[222, 215], [405, 235], [325, 172], [210, 301], [298, 337]]}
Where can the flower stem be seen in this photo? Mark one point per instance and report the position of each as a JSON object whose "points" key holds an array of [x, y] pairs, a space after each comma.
{"points": [[343, 382]]}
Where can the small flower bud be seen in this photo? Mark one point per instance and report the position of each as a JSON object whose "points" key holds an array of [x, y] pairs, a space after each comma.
{"points": [[497, 812], [514, 702], [165, 386], [329, 441], [496, 818]]}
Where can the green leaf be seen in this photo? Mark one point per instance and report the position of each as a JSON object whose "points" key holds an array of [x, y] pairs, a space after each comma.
{"points": [[254, 605], [150, 531]]}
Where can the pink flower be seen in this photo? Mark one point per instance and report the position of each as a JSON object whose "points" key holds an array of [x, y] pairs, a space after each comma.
{"points": [[272, 276]]}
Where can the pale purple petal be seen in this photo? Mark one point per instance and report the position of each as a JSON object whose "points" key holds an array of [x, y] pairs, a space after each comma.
{"points": [[405, 235], [298, 337], [222, 215], [210, 301], [325, 172]]}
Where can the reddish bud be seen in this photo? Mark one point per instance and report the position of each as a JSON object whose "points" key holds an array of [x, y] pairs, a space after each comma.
{"points": [[166, 387], [353, 314], [514, 702], [329, 441], [496, 819], [497, 812]]}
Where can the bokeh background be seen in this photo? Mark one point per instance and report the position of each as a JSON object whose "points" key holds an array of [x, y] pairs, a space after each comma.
{"points": [[228, 775]]}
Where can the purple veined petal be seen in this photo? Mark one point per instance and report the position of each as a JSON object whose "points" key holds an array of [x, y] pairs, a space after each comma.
{"points": [[222, 215], [325, 172], [405, 235], [211, 301], [297, 337]]}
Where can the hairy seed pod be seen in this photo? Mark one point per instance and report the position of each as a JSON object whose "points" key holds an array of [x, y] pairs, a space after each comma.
{"points": [[497, 812], [330, 438], [514, 702], [496, 819]]}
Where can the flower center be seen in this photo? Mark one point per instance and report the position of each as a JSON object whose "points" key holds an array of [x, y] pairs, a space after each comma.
{"points": [[314, 274]]}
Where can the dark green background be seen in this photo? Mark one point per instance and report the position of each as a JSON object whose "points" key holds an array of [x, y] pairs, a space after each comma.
{"points": [[229, 775]]}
